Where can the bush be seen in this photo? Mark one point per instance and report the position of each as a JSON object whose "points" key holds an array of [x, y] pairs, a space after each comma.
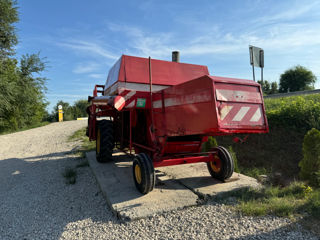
{"points": [[295, 112], [310, 164], [208, 145]]}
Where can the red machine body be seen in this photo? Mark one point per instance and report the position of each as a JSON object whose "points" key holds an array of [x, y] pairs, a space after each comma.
{"points": [[167, 110]]}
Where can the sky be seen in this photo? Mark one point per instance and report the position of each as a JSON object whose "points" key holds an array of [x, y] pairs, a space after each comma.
{"points": [[81, 40]]}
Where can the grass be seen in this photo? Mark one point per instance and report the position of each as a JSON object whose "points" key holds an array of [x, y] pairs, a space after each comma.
{"points": [[86, 145], [25, 128], [293, 200], [70, 175]]}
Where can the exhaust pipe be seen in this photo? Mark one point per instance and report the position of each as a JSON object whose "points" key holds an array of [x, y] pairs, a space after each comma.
{"points": [[175, 56]]}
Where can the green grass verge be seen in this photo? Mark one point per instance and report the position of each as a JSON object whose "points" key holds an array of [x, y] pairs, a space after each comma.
{"points": [[293, 200], [86, 145]]}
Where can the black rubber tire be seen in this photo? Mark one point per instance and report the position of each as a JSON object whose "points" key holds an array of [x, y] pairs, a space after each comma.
{"points": [[105, 127], [148, 177], [227, 164]]}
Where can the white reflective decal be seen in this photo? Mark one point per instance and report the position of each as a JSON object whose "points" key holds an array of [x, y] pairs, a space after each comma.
{"points": [[224, 111], [242, 112], [256, 116]]}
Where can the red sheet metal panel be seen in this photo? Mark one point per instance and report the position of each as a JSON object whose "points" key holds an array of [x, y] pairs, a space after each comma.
{"points": [[210, 106], [136, 70], [240, 105]]}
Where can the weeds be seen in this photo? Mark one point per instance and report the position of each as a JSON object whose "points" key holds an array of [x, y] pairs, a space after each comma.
{"points": [[86, 145], [295, 199], [70, 175]]}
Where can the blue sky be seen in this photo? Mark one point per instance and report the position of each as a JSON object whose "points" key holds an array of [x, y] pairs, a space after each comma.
{"points": [[82, 39]]}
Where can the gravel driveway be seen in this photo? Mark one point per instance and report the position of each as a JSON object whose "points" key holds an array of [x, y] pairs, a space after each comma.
{"points": [[36, 203]]}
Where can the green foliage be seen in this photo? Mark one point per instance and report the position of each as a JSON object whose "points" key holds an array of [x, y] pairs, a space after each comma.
{"points": [[269, 88], [86, 145], [235, 160], [297, 78], [8, 38], [310, 164], [296, 112], [22, 101], [78, 109], [211, 143], [291, 200]]}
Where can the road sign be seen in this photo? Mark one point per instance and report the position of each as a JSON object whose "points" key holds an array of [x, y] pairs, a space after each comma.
{"points": [[256, 56], [256, 60]]}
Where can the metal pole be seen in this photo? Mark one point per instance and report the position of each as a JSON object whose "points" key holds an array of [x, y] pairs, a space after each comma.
{"points": [[150, 83], [262, 76], [252, 62], [254, 79]]}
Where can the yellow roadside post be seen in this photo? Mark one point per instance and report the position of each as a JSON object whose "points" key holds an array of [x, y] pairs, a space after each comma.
{"points": [[60, 113]]}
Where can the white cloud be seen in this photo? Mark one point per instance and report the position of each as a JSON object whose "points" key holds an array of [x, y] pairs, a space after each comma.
{"points": [[85, 67], [89, 47], [97, 75], [65, 95], [289, 14]]}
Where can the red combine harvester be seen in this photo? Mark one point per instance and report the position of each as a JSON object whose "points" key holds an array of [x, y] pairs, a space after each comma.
{"points": [[165, 111]]}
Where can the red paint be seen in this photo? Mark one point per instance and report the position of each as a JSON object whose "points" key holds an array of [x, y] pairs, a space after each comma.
{"points": [[191, 107]]}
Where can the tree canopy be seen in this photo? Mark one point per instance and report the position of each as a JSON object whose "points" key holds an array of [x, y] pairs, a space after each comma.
{"points": [[269, 88], [70, 112], [22, 88], [297, 78], [8, 16]]}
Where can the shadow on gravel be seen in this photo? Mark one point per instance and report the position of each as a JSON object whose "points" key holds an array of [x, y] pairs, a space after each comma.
{"points": [[36, 203]]}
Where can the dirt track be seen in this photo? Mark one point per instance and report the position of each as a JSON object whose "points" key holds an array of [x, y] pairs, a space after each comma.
{"points": [[36, 203]]}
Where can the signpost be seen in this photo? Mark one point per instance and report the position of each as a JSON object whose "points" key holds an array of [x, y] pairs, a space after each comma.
{"points": [[256, 60], [60, 112]]}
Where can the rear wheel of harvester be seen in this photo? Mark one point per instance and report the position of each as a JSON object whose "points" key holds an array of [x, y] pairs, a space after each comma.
{"points": [[143, 173], [222, 165], [105, 141]]}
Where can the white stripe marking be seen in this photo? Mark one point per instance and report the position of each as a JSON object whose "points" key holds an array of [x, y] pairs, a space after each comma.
{"points": [[131, 105], [256, 116], [224, 111], [121, 90], [119, 103], [242, 112], [129, 95]]}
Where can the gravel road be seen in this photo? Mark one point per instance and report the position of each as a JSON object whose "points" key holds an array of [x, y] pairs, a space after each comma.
{"points": [[36, 203]]}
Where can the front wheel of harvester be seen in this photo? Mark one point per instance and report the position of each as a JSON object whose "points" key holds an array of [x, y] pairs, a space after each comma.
{"points": [[143, 173], [222, 165], [104, 141]]}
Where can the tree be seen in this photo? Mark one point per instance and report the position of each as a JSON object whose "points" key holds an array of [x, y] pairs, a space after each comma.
{"points": [[79, 108], [274, 88], [22, 100], [297, 78], [8, 16], [269, 88], [265, 85]]}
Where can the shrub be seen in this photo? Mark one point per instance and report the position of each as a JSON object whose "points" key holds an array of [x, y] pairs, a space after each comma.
{"points": [[296, 112], [310, 164], [211, 143]]}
